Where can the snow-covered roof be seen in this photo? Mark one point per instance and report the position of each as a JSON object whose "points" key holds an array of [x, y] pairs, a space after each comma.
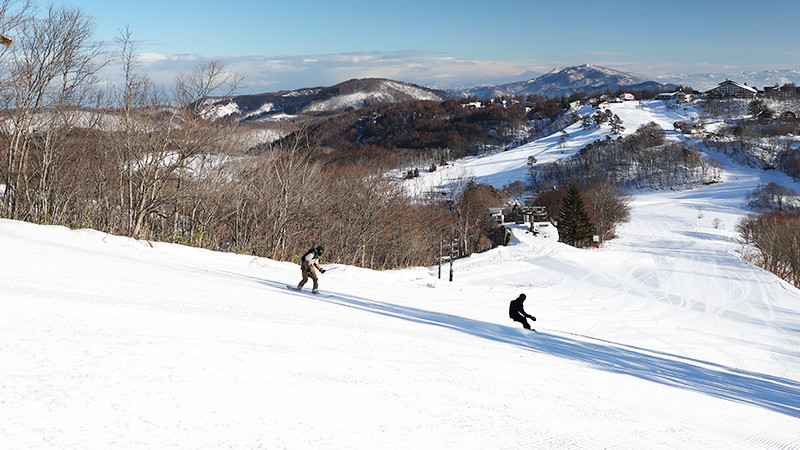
{"points": [[737, 84]]}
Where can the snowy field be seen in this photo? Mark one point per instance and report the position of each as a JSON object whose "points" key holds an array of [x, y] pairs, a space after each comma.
{"points": [[664, 338]]}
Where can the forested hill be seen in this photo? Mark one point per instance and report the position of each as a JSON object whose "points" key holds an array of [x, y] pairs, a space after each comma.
{"points": [[392, 134]]}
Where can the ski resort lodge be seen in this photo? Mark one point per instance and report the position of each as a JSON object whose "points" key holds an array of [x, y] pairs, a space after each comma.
{"points": [[730, 88]]}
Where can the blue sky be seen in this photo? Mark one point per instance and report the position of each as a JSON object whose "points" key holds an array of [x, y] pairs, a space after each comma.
{"points": [[302, 43]]}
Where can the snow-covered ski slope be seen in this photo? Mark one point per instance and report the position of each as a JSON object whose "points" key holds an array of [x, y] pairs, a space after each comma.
{"points": [[664, 338], [505, 167]]}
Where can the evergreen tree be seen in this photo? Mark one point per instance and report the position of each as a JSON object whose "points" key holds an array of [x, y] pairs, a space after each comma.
{"points": [[757, 107], [616, 125], [586, 122], [574, 225]]}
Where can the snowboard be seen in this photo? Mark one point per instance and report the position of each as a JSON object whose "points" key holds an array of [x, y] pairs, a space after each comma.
{"points": [[305, 291]]}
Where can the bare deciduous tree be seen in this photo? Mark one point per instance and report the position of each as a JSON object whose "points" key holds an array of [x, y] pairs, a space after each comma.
{"points": [[52, 67], [776, 235], [159, 139], [608, 205]]}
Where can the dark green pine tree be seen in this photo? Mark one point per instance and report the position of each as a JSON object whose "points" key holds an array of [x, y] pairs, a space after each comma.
{"points": [[574, 225]]}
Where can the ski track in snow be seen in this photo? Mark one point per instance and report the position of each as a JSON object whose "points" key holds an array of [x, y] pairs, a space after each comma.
{"points": [[663, 338]]}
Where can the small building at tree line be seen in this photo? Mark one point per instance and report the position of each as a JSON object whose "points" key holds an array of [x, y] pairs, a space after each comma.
{"points": [[677, 96]]}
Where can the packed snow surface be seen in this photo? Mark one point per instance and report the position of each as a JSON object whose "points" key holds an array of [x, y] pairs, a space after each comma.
{"points": [[663, 338], [505, 167]]}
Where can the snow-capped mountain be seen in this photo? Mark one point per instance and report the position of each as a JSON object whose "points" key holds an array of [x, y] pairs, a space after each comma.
{"points": [[565, 81], [352, 94]]}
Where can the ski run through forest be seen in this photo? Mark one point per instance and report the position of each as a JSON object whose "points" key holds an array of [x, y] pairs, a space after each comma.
{"points": [[663, 338]]}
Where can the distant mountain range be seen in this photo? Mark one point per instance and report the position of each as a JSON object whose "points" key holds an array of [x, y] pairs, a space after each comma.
{"points": [[586, 78], [349, 95], [759, 80], [593, 79], [360, 93]]}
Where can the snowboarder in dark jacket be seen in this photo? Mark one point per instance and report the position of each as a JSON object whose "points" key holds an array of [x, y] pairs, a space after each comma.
{"points": [[308, 262], [518, 314]]}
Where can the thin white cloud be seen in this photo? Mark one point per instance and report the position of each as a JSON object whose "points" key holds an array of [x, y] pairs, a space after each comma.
{"points": [[444, 71], [149, 58], [593, 54], [292, 72]]}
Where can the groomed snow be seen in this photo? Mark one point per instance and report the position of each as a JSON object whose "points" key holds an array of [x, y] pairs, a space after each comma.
{"points": [[505, 167], [664, 338]]}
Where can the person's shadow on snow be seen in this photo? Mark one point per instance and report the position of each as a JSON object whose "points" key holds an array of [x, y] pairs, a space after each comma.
{"points": [[774, 393]]}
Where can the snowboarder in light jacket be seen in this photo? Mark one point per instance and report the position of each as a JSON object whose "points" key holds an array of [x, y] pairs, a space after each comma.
{"points": [[308, 262], [518, 314]]}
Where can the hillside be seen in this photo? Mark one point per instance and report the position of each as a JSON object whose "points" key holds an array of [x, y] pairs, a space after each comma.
{"points": [[664, 338], [349, 95], [390, 135], [503, 168]]}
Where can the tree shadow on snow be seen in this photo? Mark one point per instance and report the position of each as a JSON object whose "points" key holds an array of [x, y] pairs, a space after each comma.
{"points": [[774, 393]]}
